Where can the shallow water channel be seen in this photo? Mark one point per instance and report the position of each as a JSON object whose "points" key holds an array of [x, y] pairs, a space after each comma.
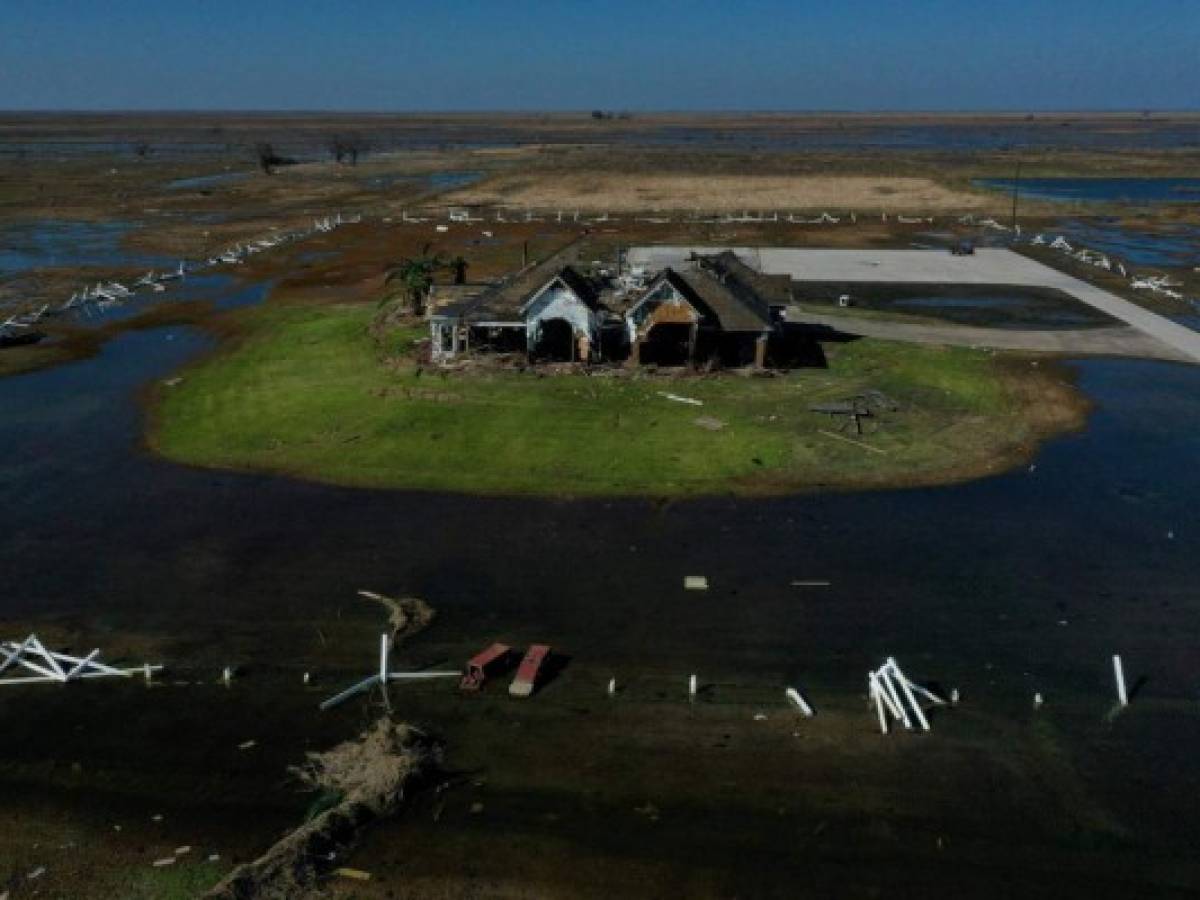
{"points": [[1025, 581]]}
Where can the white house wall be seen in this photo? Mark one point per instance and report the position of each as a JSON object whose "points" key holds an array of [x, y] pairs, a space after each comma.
{"points": [[559, 302]]}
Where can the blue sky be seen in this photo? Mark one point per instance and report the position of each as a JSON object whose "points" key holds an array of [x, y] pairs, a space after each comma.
{"points": [[620, 54]]}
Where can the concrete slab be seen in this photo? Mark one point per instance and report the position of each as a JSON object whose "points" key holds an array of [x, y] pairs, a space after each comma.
{"points": [[988, 265]]}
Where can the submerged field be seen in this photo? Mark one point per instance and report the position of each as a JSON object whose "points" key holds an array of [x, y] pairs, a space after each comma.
{"points": [[309, 392]]}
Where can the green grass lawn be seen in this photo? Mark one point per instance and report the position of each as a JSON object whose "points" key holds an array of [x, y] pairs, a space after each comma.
{"points": [[309, 392]]}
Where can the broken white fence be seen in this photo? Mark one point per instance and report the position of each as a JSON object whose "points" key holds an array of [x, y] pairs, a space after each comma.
{"points": [[382, 676], [893, 694], [48, 666]]}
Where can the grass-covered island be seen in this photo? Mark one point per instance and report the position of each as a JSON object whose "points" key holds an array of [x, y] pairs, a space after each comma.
{"points": [[315, 392]]}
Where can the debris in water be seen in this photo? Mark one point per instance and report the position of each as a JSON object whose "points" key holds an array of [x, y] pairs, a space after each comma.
{"points": [[892, 692], [797, 700], [36, 873], [1037, 701], [246, 745], [695, 583], [760, 717], [372, 775], [183, 851], [165, 861], [352, 874]]}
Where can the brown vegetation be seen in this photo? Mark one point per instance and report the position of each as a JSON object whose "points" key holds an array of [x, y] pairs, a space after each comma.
{"points": [[635, 192]]}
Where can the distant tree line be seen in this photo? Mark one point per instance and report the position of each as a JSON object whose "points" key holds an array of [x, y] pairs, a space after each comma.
{"points": [[600, 115]]}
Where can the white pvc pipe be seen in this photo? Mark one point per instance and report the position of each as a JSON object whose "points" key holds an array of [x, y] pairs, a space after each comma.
{"points": [[877, 696], [877, 686], [912, 701], [799, 702], [1119, 672], [383, 658], [885, 679], [692, 688]]}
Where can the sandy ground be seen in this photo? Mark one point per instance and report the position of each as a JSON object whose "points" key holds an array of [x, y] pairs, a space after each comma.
{"points": [[602, 191]]}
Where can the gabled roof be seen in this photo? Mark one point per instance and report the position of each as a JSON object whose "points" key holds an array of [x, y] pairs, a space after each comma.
{"points": [[720, 289], [506, 300], [575, 283], [775, 290]]}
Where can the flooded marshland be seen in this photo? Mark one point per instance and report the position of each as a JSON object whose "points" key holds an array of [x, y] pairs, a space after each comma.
{"points": [[1023, 582], [1027, 581]]}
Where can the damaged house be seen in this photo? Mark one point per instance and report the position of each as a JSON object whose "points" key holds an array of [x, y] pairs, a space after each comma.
{"points": [[553, 315], [712, 308]]}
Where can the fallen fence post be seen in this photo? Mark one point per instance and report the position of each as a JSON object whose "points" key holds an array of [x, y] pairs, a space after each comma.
{"points": [[1119, 672], [797, 700]]}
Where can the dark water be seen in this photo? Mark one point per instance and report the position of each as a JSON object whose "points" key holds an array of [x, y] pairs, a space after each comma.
{"points": [[61, 242], [1169, 247], [438, 181], [1025, 581], [850, 134], [202, 182], [1101, 190], [983, 306]]}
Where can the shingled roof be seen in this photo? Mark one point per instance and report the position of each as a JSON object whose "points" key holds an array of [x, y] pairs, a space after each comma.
{"points": [[729, 293], [505, 301]]}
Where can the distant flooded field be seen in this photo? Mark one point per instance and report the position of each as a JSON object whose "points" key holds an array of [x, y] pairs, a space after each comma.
{"points": [[1100, 190]]}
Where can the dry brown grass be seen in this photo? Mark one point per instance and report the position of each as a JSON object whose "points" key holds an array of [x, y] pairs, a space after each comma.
{"points": [[639, 192]]}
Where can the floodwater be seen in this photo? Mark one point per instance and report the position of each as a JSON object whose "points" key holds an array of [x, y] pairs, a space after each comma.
{"points": [[203, 182], [437, 181], [852, 133], [49, 243], [989, 307], [1025, 581], [1101, 190], [1170, 246]]}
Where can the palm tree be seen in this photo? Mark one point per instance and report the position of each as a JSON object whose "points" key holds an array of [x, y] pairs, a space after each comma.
{"points": [[416, 274]]}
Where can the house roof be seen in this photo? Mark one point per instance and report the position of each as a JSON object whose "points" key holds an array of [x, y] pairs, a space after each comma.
{"points": [[728, 293], [576, 283], [506, 300]]}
